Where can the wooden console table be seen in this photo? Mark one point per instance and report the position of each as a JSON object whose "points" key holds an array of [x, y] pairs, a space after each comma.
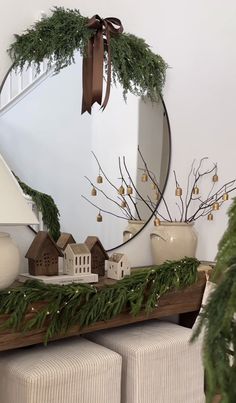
{"points": [[186, 303]]}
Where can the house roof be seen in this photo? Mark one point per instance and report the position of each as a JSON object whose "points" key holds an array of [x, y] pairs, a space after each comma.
{"points": [[91, 241], [36, 248], [64, 239], [79, 248], [116, 257]]}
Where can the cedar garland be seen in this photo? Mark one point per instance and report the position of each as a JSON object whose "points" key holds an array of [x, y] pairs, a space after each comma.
{"points": [[47, 206], [218, 321], [57, 37], [84, 304]]}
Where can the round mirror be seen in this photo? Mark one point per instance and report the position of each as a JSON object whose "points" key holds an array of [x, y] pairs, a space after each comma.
{"points": [[99, 168]]}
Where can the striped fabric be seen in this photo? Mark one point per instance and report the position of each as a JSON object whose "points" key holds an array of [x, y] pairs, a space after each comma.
{"points": [[69, 371], [158, 363]]}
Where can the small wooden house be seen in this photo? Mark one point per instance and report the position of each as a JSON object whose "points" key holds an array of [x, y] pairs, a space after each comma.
{"points": [[43, 255], [117, 266], [98, 255], [77, 259], [64, 239]]}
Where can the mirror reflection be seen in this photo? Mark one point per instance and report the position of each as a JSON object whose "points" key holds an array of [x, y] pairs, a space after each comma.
{"points": [[101, 170]]}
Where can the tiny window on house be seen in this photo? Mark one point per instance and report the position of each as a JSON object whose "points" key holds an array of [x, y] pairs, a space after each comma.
{"points": [[88, 259], [76, 260], [80, 260], [88, 269], [121, 264], [84, 260], [65, 255]]}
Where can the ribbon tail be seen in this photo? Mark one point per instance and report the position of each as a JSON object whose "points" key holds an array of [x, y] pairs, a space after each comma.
{"points": [[87, 79], [108, 86], [98, 56]]}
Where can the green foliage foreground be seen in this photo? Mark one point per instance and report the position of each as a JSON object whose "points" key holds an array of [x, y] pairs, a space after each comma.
{"points": [[219, 323], [84, 304], [218, 320]]}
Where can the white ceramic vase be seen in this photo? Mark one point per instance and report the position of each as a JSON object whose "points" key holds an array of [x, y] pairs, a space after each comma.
{"points": [[133, 227], [9, 260], [173, 241]]}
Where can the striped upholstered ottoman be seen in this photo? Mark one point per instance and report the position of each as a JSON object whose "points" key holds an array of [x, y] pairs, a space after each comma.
{"points": [[158, 363], [76, 371]]}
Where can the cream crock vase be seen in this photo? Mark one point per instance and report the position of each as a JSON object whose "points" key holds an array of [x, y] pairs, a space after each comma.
{"points": [[9, 262], [133, 227], [173, 241]]}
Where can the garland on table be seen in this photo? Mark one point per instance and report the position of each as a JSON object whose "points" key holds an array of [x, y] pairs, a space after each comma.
{"points": [[55, 38], [48, 208], [84, 304]]}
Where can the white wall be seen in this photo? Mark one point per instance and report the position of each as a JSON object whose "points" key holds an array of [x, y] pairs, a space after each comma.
{"points": [[197, 39]]}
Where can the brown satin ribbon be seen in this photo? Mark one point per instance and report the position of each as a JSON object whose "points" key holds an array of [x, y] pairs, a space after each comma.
{"points": [[93, 61]]}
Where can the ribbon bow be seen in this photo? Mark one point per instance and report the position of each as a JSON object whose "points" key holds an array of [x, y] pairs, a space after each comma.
{"points": [[93, 61]]}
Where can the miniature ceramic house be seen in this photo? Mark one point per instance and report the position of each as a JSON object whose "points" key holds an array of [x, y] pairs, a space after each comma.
{"points": [[77, 259], [98, 255], [117, 266], [64, 239], [43, 255]]}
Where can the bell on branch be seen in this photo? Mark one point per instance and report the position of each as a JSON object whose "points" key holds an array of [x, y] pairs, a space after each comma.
{"points": [[121, 190], [99, 179], [195, 190], [215, 206], [225, 196], [210, 217], [154, 186], [123, 204], [156, 195], [157, 222], [129, 190], [178, 191], [99, 217], [215, 178], [93, 192], [144, 177]]}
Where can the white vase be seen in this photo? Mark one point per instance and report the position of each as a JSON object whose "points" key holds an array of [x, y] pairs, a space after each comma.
{"points": [[9, 260], [133, 227], [173, 241]]}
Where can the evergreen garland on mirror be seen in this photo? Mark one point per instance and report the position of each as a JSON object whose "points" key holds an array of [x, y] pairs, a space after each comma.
{"points": [[56, 37], [82, 304]]}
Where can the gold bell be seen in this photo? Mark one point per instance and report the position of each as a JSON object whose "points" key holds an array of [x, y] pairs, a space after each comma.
{"points": [[129, 190], [99, 179], [215, 178], [123, 204], [144, 177], [157, 222], [225, 196], [157, 195], [154, 186], [178, 191], [121, 190], [93, 192], [195, 190], [210, 217], [99, 217], [215, 206]]}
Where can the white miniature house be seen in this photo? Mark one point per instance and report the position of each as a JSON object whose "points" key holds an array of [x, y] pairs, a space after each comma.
{"points": [[117, 266], [77, 262]]}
